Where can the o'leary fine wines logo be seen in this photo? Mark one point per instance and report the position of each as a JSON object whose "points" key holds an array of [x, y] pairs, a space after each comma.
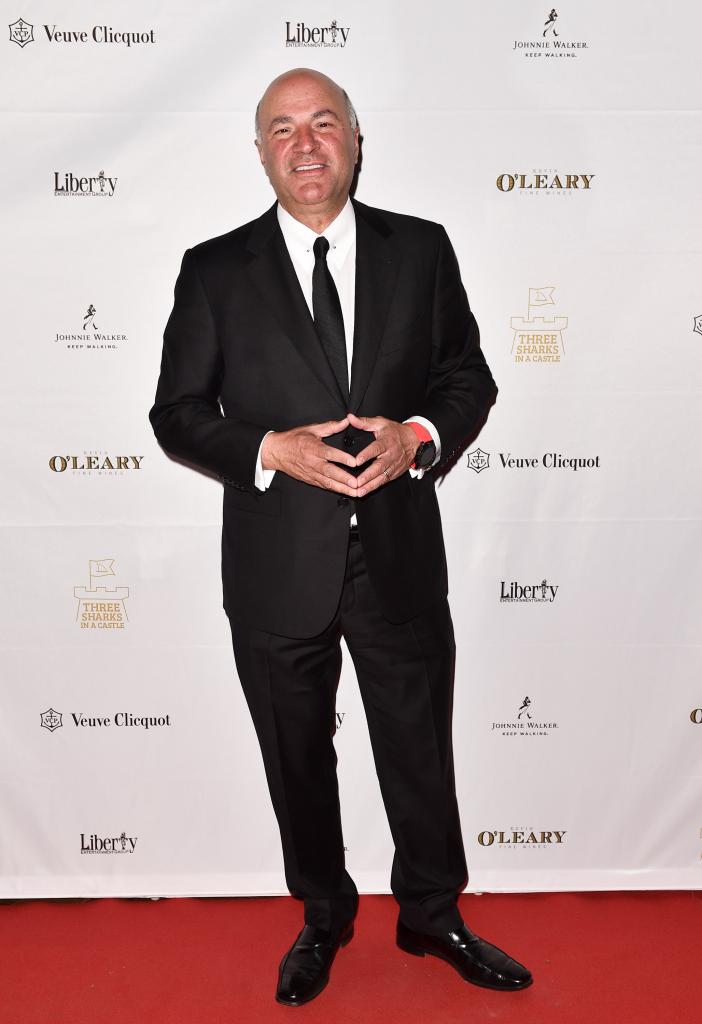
{"points": [[300, 34], [527, 592], [90, 338], [101, 607], [478, 460], [21, 32], [550, 42], [93, 843], [521, 838], [538, 339], [95, 463], [68, 184], [523, 723], [542, 181]]}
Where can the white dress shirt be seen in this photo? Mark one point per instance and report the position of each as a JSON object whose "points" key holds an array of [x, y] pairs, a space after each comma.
{"points": [[341, 260]]}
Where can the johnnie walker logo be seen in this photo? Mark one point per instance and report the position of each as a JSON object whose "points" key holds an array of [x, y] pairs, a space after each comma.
{"points": [[550, 41], [91, 338], [524, 722]]}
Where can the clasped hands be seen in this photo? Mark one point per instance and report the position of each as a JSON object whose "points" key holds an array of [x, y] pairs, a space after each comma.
{"points": [[302, 454]]}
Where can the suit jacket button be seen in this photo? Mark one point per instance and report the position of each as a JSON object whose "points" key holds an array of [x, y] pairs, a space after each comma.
{"points": [[342, 501]]}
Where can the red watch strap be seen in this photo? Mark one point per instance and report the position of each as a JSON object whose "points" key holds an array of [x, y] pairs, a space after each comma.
{"points": [[421, 432]]}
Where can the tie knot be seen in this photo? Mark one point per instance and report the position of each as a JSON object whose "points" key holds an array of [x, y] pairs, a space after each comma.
{"points": [[320, 248]]}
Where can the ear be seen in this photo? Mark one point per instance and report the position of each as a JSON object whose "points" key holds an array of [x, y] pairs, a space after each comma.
{"points": [[259, 147], [356, 137]]}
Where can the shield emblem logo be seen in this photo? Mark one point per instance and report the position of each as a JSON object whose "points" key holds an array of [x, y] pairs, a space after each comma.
{"points": [[21, 32], [478, 460]]}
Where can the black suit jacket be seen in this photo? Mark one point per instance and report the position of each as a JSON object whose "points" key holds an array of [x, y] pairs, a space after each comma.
{"points": [[241, 357]]}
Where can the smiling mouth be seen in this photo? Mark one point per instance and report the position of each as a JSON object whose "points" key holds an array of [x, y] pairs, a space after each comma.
{"points": [[306, 168]]}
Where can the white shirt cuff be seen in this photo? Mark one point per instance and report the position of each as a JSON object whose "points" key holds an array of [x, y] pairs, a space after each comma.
{"points": [[263, 477], [428, 425]]}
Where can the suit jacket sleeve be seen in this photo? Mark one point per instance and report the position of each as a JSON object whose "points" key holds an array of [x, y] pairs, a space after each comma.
{"points": [[187, 417], [460, 387]]}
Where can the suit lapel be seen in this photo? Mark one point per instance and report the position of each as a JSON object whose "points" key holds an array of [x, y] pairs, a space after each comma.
{"points": [[377, 265], [273, 274]]}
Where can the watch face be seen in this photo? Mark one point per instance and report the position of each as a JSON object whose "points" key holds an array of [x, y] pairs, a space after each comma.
{"points": [[425, 455]]}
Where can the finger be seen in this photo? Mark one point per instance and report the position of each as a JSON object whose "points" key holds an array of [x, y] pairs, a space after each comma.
{"points": [[329, 427], [379, 471], [329, 454], [378, 481], [333, 479], [371, 423], [371, 451]]}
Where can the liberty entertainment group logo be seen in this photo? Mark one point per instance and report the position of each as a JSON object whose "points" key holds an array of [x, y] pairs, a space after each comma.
{"points": [[94, 843], [99, 186], [301, 34], [21, 32], [527, 592]]}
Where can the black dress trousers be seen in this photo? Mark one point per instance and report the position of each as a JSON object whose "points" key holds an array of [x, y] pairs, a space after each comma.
{"points": [[405, 673]]}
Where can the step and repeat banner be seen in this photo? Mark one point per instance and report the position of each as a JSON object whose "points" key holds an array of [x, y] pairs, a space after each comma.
{"points": [[561, 148]]}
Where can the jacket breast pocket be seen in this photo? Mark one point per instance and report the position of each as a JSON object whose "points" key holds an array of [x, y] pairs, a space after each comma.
{"points": [[265, 503]]}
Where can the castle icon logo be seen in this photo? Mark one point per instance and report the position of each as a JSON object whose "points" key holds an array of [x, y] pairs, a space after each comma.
{"points": [[538, 339], [101, 607]]}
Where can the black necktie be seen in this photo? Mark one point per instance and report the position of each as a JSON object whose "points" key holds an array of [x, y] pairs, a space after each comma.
{"points": [[328, 321]]}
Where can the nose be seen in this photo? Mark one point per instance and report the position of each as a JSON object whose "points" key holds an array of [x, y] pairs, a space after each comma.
{"points": [[305, 140]]}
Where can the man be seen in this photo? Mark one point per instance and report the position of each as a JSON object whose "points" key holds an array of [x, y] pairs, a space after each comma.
{"points": [[298, 347]]}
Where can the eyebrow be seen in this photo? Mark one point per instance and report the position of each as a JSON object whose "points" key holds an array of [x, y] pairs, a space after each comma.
{"points": [[286, 119]]}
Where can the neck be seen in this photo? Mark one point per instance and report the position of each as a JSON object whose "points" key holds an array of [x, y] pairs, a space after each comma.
{"points": [[317, 220]]}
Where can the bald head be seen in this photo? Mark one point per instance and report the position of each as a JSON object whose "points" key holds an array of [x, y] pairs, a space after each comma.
{"points": [[308, 142], [300, 74]]}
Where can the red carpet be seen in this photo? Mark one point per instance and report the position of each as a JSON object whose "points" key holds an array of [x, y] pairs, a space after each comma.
{"points": [[596, 957]]}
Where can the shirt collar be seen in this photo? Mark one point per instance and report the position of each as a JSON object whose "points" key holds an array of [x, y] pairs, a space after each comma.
{"points": [[341, 233]]}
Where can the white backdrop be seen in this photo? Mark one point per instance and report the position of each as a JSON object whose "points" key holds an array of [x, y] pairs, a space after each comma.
{"points": [[592, 783]]}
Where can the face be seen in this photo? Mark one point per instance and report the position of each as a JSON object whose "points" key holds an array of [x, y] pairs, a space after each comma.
{"points": [[307, 147]]}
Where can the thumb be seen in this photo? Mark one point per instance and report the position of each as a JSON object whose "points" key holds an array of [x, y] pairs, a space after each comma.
{"points": [[365, 422], [330, 427]]}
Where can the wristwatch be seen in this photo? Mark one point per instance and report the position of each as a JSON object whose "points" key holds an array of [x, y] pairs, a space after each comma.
{"points": [[425, 455], [426, 450]]}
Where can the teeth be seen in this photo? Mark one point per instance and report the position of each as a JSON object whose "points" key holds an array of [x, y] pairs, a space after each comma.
{"points": [[308, 167]]}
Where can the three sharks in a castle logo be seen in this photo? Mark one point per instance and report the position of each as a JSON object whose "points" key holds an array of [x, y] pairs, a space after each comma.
{"points": [[538, 339], [101, 607]]}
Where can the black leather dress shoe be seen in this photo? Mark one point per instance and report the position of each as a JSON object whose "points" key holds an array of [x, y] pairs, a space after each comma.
{"points": [[475, 960], [304, 970]]}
